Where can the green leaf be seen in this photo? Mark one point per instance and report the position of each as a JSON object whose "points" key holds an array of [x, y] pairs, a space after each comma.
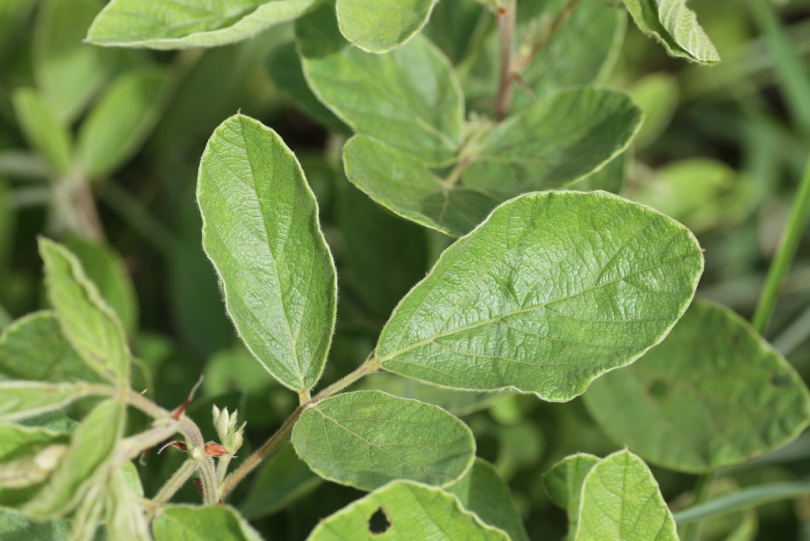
{"points": [[88, 323], [563, 483], [503, 308], [621, 501], [385, 255], [261, 232], [701, 193], [368, 438], [175, 24], [121, 120], [458, 28], [199, 523], [409, 99], [40, 123], [284, 67], [412, 511], [405, 186], [18, 527], [281, 481], [28, 456], [556, 141], [610, 178], [525, 153], [106, 269], [456, 402], [483, 492], [657, 94], [706, 397], [675, 26], [22, 399], [34, 348], [125, 518], [377, 26], [67, 71], [84, 463], [87, 517]]}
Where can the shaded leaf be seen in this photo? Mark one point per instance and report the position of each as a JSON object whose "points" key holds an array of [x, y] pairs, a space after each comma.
{"points": [[503, 308], [409, 99], [88, 323], [379, 26], [657, 94], [713, 379], [174, 24], [483, 492], [621, 501], [34, 348], [44, 131], [18, 527], [261, 232], [675, 26], [281, 481], [28, 456], [125, 518], [456, 402], [84, 463], [121, 120], [368, 438], [194, 523], [412, 511], [67, 71], [563, 483]]}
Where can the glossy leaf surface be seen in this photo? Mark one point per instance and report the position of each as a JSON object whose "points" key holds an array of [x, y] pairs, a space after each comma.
{"points": [[409, 99], [88, 323], [413, 511], [551, 291], [174, 24], [261, 232], [706, 397], [621, 502], [377, 26], [366, 439]]}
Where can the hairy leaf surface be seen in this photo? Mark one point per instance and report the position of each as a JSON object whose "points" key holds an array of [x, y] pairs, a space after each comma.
{"points": [[261, 232], [377, 26], [706, 397], [367, 438], [551, 291]]}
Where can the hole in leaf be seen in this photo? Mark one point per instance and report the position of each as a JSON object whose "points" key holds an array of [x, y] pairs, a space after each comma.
{"points": [[780, 379], [659, 389], [379, 522]]}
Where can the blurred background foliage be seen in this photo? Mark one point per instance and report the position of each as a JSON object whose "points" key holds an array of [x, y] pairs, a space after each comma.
{"points": [[100, 147]]}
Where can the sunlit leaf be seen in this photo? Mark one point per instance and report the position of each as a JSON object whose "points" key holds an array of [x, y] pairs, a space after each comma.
{"points": [[378, 26]]}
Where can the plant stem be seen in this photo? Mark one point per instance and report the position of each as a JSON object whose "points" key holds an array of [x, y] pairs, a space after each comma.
{"points": [[147, 406], [175, 482], [791, 236], [276, 440], [506, 35]]}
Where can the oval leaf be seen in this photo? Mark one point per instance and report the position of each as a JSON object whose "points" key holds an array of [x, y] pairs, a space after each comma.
{"points": [[199, 523], [675, 26], [176, 24], [551, 291], [369, 24], [409, 99], [706, 397], [563, 483], [121, 120], [44, 131], [368, 438], [556, 141], [412, 511], [483, 492], [88, 323], [261, 232], [621, 501]]}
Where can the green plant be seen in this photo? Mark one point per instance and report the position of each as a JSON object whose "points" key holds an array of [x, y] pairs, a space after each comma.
{"points": [[493, 137]]}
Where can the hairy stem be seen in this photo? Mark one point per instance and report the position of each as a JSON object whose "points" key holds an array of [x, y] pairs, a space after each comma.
{"points": [[506, 37], [791, 236]]}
